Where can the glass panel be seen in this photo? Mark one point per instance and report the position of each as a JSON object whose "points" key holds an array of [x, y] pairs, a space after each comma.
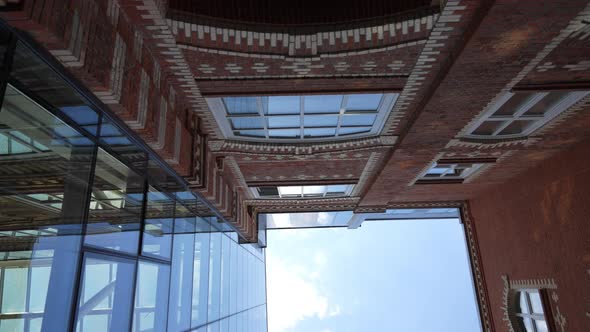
{"points": [[12, 325], [285, 133], [247, 123], [251, 133], [513, 104], [200, 278], [340, 188], [120, 143], [488, 128], [319, 132], [314, 190], [536, 305], [320, 120], [241, 105], [541, 326], [44, 172], [286, 191], [284, 122], [308, 219], [115, 209], [42, 81], [358, 119], [547, 103], [179, 316], [364, 102], [106, 294], [157, 235], [516, 127], [151, 297], [322, 104], [14, 295], [284, 105], [214, 276], [225, 275], [522, 301], [353, 130]]}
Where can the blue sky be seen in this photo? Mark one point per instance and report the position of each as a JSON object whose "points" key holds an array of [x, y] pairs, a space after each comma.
{"points": [[402, 275]]}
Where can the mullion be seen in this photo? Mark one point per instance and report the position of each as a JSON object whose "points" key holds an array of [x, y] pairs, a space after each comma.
{"points": [[341, 114], [262, 115]]}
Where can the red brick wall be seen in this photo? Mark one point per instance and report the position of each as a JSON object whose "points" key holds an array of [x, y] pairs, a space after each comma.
{"points": [[536, 226]]}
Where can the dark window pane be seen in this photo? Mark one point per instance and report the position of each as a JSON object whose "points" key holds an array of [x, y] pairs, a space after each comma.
{"points": [[488, 128], [516, 127], [546, 104], [251, 133], [513, 104]]}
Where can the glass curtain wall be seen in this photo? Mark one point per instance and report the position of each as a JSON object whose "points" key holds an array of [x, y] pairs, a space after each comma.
{"points": [[95, 233]]}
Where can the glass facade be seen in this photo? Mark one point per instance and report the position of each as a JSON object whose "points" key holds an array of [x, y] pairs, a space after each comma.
{"points": [[96, 233]]}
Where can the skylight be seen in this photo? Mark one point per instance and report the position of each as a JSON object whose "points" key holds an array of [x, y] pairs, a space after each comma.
{"points": [[336, 190], [312, 117]]}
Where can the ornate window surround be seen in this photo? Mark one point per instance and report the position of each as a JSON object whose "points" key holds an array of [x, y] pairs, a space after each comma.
{"points": [[555, 319], [539, 120]]}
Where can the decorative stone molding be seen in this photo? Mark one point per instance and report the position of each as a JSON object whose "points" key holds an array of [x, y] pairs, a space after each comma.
{"points": [[368, 171], [476, 268], [442, 30], [302, 205], [244, 147], [303, 44], [511, 286]]}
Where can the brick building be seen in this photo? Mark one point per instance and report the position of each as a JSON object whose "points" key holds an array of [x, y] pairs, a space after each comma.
{"points": [[363, 106]]}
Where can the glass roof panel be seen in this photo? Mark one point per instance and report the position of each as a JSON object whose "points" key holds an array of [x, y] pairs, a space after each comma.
{"points": [[320, 120], [353, 130], [247, 123], [241, 105], [322, 104], [314, 190], [364, 102], [284, 121], [284, 105], [319, 132], [284, 133], [290, 190], [358, 119], [251, 133]]}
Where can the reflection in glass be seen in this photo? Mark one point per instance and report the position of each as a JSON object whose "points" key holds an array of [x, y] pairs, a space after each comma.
{"points": [[106, 294], [44, 172], [214, 276], [115, 208], [151, 297], [157, 234], [200, 279]]}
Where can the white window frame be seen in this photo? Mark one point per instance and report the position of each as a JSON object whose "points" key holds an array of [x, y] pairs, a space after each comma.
{"points": [[475, 167], [217, 106], [531, 316], [540, 120]]}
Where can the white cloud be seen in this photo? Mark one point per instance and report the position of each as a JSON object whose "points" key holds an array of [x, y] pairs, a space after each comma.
{"points": [[320, 258], [293, 296]]}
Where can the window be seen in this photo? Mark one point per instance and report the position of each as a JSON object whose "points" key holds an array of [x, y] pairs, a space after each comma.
{"points": [[519, 114], [449, 172], [314, 117], [528, 312], [315, 191]]}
